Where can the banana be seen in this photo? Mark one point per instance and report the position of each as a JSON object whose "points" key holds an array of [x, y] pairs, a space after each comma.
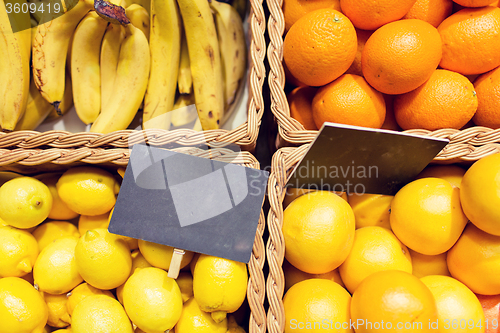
{"points": [[204, 56], [184, 111], [184, 80], [15, 48], [110, 53], [67, 101], [139, 17], [144, 3], [36, 111], [232, 45], [130, 84], [85, 66], [165, 44], [197, 125]]}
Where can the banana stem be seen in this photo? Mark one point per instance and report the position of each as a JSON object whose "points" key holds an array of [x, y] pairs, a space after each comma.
{"points": [[110, 12]]}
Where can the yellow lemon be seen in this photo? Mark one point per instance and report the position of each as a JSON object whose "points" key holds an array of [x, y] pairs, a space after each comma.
{"points": [[194, 320], [192, 264], [159, 255], [63, 331], [480, 194], [132, 243], [219, 285], [475, 261], [86, 222], [58, 312], [22, 309], [80, 292], [457, 306], [393, 300], [138, 261], [59, 211], [371, 209], [375, 249], [88, 190], [100, 314], [426, 215], [318, 229], [315, 305], [48, 232], [25, 202], [55, 271], [3, 223], [294, 275], [48, 329], [103, 259], [152, 300], [451, 173], [185, 282], [424, 265], [18, 252]]}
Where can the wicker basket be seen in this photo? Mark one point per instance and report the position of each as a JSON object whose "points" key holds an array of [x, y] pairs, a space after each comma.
{"points": [[283, 162], [467, 144], [30, 162]]}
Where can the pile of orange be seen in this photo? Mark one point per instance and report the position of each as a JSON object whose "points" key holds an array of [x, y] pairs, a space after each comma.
{"points": [[439, 60], [430, 255]]}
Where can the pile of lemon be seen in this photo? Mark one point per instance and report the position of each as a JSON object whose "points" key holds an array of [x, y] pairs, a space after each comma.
{"points": [[420, 261], [62, 271]]}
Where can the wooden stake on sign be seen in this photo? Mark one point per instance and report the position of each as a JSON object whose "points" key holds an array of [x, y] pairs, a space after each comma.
{"points": [[175, 263]]}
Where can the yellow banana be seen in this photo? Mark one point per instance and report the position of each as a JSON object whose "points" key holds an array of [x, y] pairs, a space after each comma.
{"points": [[130, 84], [165, 44], [67, 101], [204, 56], [184, 111], [110, 53], [15, 46], [139, 17], [184, 80], [144, 3], [197, 125], [36, 111], [232, 45], [85, 66]]}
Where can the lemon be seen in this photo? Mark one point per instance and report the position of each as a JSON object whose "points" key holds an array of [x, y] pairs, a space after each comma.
{"points": [[100, 314], [424, 265], [48, 329], [88, 190], [48, 232], [375, 249], [371, 209], [66, 330], [318, 229], [86, 222], [219, 285], [451, 173], [18, 252], [25, 202], [480, 194], [294, 275], [457, 306], [185, 282], [138, 261], [159, 255], [194, 320], [152, 300], [316, 300], [393, 300], [426, 215], [103, 259], [22, 309], [58, 312], [293, 193], [80, 292], [59, 211], [132, 243], [193, 262], [55, 271], [2, 223]]}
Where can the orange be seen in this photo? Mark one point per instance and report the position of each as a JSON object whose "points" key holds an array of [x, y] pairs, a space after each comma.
{"points": [[471, 40], [397, 299], [363, 36], [290, 79], [446, 100], [491, 309], [426, 215], [318, 229], [316, 305], [451, 173], [488, 96], [320, 47], [475, 3], [390, 122], [295, 9], [431, 11], [458, 308], [300, 101], [294, 275], [480, 194], [401, 56], [371, 209], [349, 100], [375, 249], [372, 14], [424, 265], [475, 261]]}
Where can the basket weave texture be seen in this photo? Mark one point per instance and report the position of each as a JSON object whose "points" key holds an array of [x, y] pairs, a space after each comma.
{"points": [[31, 161]]}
